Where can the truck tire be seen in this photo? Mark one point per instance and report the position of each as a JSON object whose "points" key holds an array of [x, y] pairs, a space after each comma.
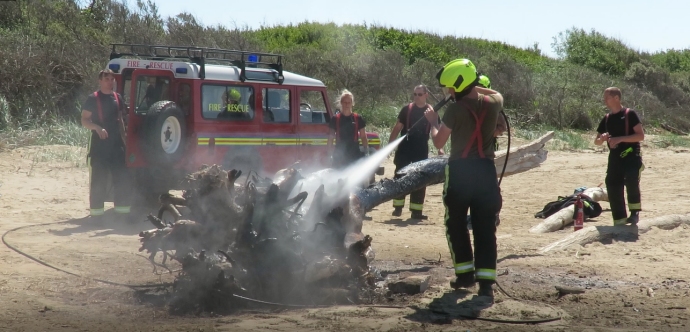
{"points": [[164, 137]]}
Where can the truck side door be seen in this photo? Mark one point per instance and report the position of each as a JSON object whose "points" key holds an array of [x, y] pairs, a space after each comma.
{"points": [[147, 86], [278, 128], [313, 127]]}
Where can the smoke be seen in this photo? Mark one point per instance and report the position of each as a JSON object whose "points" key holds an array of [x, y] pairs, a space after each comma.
{"points": [[339, 184], [274, 254]]}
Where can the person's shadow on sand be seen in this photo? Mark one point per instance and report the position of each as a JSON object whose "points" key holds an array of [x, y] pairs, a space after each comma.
{"points": [[109, 223], [459, 304]]}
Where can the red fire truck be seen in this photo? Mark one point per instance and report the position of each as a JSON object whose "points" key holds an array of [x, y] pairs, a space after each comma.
{"points": [[189, 106]]}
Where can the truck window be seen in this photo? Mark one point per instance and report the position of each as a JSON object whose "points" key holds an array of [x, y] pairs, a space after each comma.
{"points": [[312, 107], [151, 89], [227, 102], [276, 105]]}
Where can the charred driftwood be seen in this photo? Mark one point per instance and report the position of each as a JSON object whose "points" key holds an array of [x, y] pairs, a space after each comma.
{"points": [[255, 238], [432, 171]]}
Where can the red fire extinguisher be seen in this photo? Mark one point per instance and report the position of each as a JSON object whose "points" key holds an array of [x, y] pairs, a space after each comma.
{"points": [[579, 221]]}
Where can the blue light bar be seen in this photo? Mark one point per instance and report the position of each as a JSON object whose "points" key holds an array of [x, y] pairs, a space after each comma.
{"points": [[253, 58], [181, 70], [114, 67]]}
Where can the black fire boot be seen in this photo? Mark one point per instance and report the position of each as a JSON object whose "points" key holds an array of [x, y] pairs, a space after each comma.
{"points": [[486, 289], [465, 280], [418, 215], [397, 212], [634, 217]]}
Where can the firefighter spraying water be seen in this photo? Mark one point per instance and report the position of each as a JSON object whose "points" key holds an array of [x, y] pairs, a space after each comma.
{"points": [[471, 183]]}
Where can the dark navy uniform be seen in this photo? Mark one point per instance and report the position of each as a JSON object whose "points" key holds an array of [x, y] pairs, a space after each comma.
{"points": [[346, 139], [413, 148], [106, 157], [625, 164]]}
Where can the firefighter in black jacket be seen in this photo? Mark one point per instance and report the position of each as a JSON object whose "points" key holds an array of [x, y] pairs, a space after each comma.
{"points": [[622, 129], [103, 115], [413, 148]]}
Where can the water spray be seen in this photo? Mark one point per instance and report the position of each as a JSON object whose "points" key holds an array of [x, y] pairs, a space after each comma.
{"points": [[339, 184]]}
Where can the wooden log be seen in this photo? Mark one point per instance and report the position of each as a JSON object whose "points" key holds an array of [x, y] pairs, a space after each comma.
{"points": [[172, 199], [673, 130], [564, 290], [170, 208], [156, 221], [525, 157], [600, 233], [431, 171], [564, 217]]}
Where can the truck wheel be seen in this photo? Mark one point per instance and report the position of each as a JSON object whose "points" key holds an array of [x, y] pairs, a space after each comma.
{"points": [[165, 132]]}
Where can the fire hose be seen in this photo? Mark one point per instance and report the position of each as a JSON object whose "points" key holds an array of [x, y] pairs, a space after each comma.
{"points": [[247, 299]]}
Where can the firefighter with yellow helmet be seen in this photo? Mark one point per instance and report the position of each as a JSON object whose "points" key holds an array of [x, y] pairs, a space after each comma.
{"points": [[484, 81], [470, 123], [231, 105]]}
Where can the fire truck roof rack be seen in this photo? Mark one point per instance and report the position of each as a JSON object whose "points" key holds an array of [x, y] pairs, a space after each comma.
{"points": [[202, 56]]}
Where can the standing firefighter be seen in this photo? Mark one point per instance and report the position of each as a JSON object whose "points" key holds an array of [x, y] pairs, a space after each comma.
{"points": [[347, 129], [470, 122], [413, 148], [622, 130], [102, 114]]}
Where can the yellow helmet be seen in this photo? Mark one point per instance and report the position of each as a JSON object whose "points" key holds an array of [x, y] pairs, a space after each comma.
{"points": [[232, 94], [458, 74], [484, 81]]}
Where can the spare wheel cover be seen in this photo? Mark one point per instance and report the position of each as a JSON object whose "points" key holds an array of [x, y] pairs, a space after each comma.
{"points": [[170, 134]]}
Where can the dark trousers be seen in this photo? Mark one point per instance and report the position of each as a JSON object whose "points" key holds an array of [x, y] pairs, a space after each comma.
{"points": [[623, 172], [416, 197], [109, 180], [471, 184], [404, 157]]}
